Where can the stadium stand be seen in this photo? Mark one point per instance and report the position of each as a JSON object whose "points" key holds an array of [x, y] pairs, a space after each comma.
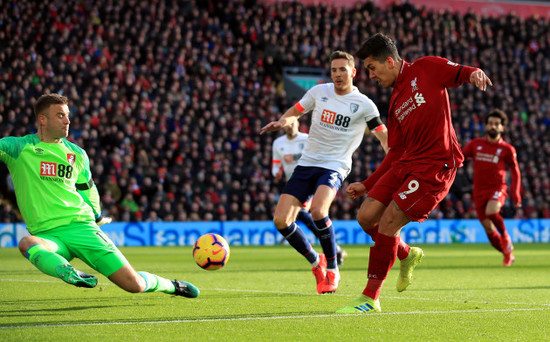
{"points": [[168, 97]]}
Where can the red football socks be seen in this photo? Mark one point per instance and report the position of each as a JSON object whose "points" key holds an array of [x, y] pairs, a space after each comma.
{"points": [[498, 221], [495, 239], [402, 249], [381, 259]]}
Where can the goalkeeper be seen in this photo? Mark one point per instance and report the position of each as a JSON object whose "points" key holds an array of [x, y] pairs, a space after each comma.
{"points": [[60, 205]]}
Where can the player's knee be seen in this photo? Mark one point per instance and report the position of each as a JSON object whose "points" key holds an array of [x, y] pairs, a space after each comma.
{"points": [[489, 213], [133, 285], [23, 245], [128, 280], [318, 213], [27, 242], [281, 222], [365, 221], [488, 225]]}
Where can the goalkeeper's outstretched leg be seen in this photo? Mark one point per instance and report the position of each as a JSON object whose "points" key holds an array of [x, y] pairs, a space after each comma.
{"points": [[51, 256]]}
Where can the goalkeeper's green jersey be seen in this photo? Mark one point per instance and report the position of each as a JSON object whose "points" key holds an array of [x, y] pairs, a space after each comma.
{"points": [[53, 182]]}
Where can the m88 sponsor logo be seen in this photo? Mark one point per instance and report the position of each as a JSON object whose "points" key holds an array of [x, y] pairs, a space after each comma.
{"points": [[49, 169], [334, 118]]}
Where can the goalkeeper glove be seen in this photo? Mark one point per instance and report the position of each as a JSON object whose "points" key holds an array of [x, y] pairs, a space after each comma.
{"points": [[101, 220]]}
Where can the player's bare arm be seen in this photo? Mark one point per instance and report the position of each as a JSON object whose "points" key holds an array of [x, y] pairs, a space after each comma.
{"points": [[480, 80], [380, 131], [382, 136], [279, 173], [291, 115]]}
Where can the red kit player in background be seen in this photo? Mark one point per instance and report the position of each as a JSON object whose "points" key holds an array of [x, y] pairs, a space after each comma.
{"points": [[421, 164], [491, 155]]}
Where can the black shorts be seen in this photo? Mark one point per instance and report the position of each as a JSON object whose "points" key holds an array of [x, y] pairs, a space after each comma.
{"points": [[306, 179]]}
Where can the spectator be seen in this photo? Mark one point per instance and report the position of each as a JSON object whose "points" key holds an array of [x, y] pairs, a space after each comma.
{"points": [[189, 107]]}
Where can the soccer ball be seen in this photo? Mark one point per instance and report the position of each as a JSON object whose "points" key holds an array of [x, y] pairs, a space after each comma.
{"points": [[211, 252]]}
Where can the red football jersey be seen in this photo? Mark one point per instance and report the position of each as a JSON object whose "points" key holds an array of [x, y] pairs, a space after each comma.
{"points": [[420, 130], [420, 113], [490, 161]]}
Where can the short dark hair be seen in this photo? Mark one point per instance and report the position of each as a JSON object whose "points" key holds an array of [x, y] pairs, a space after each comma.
{"points": [[45, 101], [497, 113], [343, 55], [379, 47]]}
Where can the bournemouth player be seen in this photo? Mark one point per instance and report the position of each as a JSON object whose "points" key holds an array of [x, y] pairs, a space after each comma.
{"points": [[286, 151], [60, 204], [340, 116], [424, 153], [491, 155]]}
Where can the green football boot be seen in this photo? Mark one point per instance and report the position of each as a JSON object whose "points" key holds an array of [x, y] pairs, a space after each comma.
{"points": [[407, 267], [185, 289], [363, 304], [70, 275]]}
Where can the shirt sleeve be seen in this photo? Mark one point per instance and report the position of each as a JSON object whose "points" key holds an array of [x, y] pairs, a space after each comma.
{"points": [[276, 160], [467, 151], [371, 111], [10, 148], [512, 162], [86, 187], [393, 155], [307, 102], [447, 73]]}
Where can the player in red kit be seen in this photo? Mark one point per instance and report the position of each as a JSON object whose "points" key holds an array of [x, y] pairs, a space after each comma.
{"points": [[424, 153], [491, 155]]}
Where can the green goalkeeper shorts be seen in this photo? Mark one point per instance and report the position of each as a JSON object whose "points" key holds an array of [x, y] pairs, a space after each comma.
{"points": [[85, 241]]}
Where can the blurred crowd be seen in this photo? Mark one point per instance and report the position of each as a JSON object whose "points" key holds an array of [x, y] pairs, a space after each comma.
{"points": [[168, 97]]}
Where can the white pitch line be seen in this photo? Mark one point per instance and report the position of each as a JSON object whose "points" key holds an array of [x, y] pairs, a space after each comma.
{"points": [[315, 294], [373, 315], [383, 297]]}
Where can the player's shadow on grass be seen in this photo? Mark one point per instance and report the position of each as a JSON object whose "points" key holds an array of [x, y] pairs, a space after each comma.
{"points": [[51, 312], [215, 294], [292, 314], [24, 272], [35, 301]]}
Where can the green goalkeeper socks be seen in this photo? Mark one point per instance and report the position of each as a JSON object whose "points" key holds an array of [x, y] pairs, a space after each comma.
{"points": [[45, 260], [154, 283]]}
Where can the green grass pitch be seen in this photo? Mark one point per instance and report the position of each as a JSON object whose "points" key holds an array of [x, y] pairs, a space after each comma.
{"points": [[460, 292]]}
